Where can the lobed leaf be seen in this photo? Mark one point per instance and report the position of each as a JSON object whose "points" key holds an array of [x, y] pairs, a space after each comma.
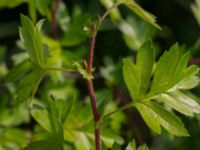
{"points": [[141, 12], [79, 127], [171, 75], [149, 116], [163, 117], [131, 78], [145, 62], [164, 71], [31, 39], [137, 77], [40, 114]]}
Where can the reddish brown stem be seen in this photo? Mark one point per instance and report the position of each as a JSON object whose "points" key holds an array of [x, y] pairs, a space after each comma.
{"points": [[90, 82], [54, 23], [95, 114], [91, 90], [92, 100], [91, 50]]}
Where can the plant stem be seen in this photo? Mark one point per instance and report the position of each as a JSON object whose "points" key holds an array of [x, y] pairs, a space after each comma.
{"points": [[91, 50], [61, 69], [108, 11], [54, 22], [96, 115], [91, 89], [119, 109]]}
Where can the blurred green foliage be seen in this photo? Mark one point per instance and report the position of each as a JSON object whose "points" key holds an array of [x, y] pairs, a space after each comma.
{"points": [[121, 34]]}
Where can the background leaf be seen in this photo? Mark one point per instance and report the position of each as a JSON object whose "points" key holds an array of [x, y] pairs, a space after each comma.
{"points": [[141, 12], [31, 39]]}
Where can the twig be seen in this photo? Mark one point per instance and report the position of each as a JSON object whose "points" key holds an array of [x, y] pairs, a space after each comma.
{"points": [[96, 115], [108, 11], [91, 89], [119, 109]]}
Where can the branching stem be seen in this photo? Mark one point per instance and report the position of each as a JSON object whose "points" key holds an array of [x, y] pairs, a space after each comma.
{"points": [[91, 89], [96, 115], [119, 109], [108, 11]]}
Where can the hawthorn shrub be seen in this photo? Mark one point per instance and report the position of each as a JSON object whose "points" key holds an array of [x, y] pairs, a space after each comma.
{"points": [[50, 101]]}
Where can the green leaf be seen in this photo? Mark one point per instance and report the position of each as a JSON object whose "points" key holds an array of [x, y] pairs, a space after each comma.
{"points": [[56, 124], [79, 127], [137, 77], [171, 75], [131, 78], [178, 75], [32, 10], [53, 115], [164, 71], [168, 120], [143, 147], [116, 147], [40, 114], [158, 116], [74, 34], [141, 12], [31, 39], [28, 86], [145, 62], [181, 103], [187, 79], [44, 7], [19, 71], [14, 116], [149, 116], [182, 65], [11, 4], [131, 145], [13, 138], [65, 107], [63, 17], [44, 145]]}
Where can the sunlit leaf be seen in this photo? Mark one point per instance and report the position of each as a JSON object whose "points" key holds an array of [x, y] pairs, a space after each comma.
{"points": [[141, 12], [181, 103], [170, 76], [131, 78], [145, 62], [165, 119], [40, 114], [131, 145], [31, 38], [137, 76], [149, 116]]}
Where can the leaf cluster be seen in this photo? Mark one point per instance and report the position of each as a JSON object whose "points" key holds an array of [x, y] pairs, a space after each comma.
{"points": [[164, 82]]}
